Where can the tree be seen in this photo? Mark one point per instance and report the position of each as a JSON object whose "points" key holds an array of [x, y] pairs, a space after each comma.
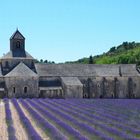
{"points": [[126, 45], [123, 59], [90, 59], [41, 60], [45, 61], [112, 49]]}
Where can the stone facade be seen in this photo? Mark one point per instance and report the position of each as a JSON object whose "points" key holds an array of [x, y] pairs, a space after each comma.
{"points": [[20, 76], [72, 87]]}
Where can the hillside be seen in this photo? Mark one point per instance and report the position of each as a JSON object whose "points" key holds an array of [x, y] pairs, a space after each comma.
{"points": [[126, 53]]}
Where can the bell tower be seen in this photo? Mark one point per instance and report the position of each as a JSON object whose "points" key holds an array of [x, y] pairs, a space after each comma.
{"points": [[17, 44]]}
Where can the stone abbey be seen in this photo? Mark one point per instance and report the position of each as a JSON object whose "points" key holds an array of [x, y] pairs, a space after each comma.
{"points": [[21, 76]]}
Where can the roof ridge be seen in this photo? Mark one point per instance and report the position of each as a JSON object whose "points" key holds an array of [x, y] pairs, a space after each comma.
{"points": [[21, 70], [9, 55], [17, 31]]}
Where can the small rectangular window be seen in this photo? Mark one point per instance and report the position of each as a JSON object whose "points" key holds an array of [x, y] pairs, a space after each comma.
{"points": [[14, 90]]}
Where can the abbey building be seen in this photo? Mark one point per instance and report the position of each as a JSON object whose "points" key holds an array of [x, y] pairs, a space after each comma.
{"points": [[21, 76]]}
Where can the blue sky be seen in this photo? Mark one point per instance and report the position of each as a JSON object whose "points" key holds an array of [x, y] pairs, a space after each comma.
{"points": [[66, 30]]}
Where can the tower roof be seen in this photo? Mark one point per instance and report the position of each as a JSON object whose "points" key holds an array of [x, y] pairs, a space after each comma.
{"points": [[17, 35], [9, 55]]}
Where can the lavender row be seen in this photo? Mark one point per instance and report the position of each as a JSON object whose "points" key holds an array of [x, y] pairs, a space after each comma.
{"points": [[120, 105], [108, 115], [71, 119], [107, 108], [123, 127], [99, 110], [33, 135], [109, 105], [117, 125], [9, 121], [51, 130], [94, 121], [80, 108], [105, 118], [100, 117], [120, 116], [75, 134], [106, 104]]}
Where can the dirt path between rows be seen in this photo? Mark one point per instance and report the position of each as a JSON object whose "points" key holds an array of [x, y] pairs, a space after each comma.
{"points": [[3, 125], [20, 130], [38, 130]]}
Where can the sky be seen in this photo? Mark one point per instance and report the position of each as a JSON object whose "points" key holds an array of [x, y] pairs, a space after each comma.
{"points": [[67, 30]]}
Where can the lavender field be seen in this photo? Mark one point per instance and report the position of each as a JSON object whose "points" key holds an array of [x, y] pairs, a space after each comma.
{"points": [[59, 119]]}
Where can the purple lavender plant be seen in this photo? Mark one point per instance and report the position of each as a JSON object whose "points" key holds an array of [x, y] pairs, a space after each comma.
{"points": [[33, 135], [51, 130], [9, 121], [74, 133], [80, 125]]}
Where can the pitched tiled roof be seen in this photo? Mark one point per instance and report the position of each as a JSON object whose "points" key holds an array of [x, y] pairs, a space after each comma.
{"points": [[9, 55], [71, 81], [76, 70], [86, 70], [17, 35], [21, 70]]}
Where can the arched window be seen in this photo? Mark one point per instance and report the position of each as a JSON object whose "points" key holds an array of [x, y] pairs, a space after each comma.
{"points": [[98, 85], [14, 90], [130, 87], [85, 96], [18, 44], [112, 96], [25, 89]]}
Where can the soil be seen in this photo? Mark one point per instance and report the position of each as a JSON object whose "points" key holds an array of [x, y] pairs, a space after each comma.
{"points": [[3, 125], [38, 129], [20, 131]]}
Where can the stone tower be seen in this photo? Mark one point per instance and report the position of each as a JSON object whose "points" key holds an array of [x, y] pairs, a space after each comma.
{"points": [[18, 70], [16, 54], [17, 44]]}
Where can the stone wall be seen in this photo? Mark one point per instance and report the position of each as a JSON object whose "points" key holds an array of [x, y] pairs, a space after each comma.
{"points": [[51, 92], [111, 87], [2, 88], [72, 87], [99, 87], [22, 87], [134, 87], [90, 87]]}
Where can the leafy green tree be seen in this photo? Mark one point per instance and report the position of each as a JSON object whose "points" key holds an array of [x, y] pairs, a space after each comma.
{"points": [[41, 60], [131, 60], [90, 59], [45, 61], [123, 59], [113, 49], [125, 45]]}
